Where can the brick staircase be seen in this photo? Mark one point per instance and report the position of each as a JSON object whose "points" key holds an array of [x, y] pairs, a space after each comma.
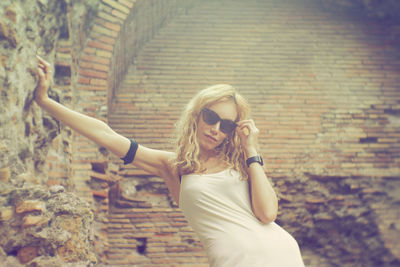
{"points": [[323, 91]]}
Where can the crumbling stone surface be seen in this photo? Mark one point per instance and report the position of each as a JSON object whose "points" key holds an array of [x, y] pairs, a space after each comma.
{"points": [[44, 227], [344, 219], [26, 28], [29, 136]]}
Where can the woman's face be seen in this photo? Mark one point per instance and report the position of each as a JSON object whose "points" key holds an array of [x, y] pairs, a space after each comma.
{"points": [[211, 136]]}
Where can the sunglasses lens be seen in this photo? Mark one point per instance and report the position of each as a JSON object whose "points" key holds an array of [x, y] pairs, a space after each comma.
{"points": [[210, 117], [227, 126]]}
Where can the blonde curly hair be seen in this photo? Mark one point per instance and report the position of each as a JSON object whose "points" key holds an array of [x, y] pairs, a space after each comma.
{"points": [[187, 146]]}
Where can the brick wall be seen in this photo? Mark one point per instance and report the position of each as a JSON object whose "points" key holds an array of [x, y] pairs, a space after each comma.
{"points": [[325, 94], [152, 237]]}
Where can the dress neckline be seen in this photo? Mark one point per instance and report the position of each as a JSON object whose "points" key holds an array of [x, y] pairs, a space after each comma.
{"points": [[206, 174]]}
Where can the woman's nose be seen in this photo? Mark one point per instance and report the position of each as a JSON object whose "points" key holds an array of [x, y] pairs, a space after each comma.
{"points": [[215, 127]]}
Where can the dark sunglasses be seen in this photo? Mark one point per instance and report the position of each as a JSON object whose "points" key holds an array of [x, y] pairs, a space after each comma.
{"points": [[211, 118]]}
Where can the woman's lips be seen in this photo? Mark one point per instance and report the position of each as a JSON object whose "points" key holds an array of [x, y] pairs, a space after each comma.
{"points": [[211, 138]]}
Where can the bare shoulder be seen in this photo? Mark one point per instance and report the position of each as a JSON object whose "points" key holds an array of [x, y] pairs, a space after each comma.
{"points": [[161, 164]]}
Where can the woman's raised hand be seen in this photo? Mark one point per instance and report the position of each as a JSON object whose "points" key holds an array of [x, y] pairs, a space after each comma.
{"points": [[248, 134], [45, 78]]}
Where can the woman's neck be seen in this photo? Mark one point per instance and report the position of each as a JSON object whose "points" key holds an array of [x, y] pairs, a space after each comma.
{"points": [[212, 162], [205, 156]]}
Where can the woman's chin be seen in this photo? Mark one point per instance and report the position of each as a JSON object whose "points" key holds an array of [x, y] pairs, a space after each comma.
{"points": [[208, 149]]}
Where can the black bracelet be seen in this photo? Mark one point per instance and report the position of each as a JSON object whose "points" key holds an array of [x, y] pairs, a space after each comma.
{"points": [[130, 155]]}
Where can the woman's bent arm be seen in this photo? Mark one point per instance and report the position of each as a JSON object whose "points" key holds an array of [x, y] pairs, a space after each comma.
{"points": [[263, 197], [264, 201]]}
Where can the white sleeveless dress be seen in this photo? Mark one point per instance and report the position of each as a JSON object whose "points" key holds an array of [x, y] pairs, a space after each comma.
{"points": [[217, 207]]}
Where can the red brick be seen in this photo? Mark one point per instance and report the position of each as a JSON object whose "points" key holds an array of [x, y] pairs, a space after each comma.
{"points": [[116, 5], [51, 182], [103, 30], [58, 174], [89, 50], [100, 45], [94, 74], [176, 249], [102, 53], [127, 3], [119, 14], [83, 80], [107, 16], [106, 40], [98, 82], [93, 88], [63, 49], [96, 59], [112, 26], [102, 194]]}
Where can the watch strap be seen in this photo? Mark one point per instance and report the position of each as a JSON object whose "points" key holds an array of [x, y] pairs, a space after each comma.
{"points": [[257, 159]]}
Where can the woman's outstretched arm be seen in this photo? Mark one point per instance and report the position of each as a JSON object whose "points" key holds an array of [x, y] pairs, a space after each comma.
{"points": [[153, 161], [94, 129]]}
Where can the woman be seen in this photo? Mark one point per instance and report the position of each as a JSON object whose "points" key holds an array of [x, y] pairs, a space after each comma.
{"points": [[216, 175]]}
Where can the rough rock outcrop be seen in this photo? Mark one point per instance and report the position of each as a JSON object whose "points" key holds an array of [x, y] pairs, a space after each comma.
{"points": [[44, 227]]}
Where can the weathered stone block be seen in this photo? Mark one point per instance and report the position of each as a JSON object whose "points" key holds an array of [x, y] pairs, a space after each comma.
{"points": [[31, 220], [72, 250], [100, 194], [11, 14], [4, 174], [28, 177], [30, 205], [6, 213], [27, 254], [4, 29]]}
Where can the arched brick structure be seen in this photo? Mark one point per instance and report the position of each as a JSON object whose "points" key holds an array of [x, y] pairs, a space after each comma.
{"points": [[119, 30]]}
